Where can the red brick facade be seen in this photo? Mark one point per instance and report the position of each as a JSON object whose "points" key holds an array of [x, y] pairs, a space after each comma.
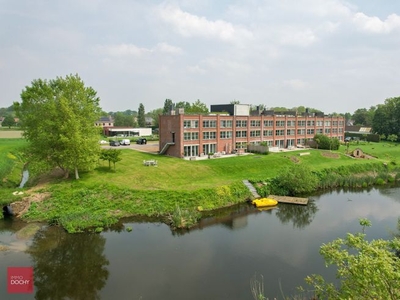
{"points": [[197, 135]]}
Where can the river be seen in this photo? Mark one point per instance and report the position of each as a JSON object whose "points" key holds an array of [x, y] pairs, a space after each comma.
{"points": [[216, 260]]}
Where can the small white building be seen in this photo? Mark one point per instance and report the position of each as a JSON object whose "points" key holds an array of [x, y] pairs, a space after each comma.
{"points": [[127, 131]]}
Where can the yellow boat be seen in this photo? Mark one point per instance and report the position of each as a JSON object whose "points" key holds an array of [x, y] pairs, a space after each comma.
{"points": [[264, 202]]}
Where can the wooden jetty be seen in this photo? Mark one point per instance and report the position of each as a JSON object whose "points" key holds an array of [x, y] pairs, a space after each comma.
{"points": [[281, 199], [291, 200]]}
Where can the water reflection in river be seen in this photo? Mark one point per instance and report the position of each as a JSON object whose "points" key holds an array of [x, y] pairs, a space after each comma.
{"points": [[216, 260]]}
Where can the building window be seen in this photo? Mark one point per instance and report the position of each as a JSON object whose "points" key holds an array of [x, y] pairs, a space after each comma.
{"points": [[334, 123], [209, 124], [301, 123], [255, 123], [188, 136], [255, 133], [241, 123], [241, 145], [226, 123], [310, 123], [290, 132], [225, 134], [209, 148], [209, 135], [320, 123], [267, 132], [190, 124], [241, 133], [327, 130], [327, 123], [320, 131], [300, 141], [268, 123], [280, 123], [301, 131], [291, 123], [191, 150], [310, 131], [279, 132]]}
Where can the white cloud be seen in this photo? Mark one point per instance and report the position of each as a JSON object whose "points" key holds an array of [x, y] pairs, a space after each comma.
{"points": [[190, 25], [123, 50], [296, 84], [196, 70], [166, 48], [376, 25], [295, 37]]}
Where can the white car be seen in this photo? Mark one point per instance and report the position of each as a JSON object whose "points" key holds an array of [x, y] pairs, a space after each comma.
{"points": [[103, 142], [125, 142]]}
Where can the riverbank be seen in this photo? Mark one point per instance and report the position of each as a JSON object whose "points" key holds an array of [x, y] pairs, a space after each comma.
{"points": [[174, 189]]}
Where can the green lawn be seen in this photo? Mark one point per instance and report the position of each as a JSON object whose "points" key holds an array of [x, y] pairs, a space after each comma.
{"points": [[177, 174], [103, 195]]}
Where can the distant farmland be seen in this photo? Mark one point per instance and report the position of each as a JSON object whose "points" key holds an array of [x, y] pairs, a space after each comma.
{"points": [[10, 134]]}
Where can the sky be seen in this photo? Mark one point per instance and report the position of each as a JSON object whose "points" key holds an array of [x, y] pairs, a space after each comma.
{"points": [[331, 55]]}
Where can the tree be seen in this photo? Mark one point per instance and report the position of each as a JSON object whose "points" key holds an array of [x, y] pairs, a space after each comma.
{"points": [[111, 155], [121, 119], [58, 119], [197, 107], [154, 114], [8, 121], [366, 270], [360, 117], [325, 142], [168, 106], [380, 122], [141, 116]]}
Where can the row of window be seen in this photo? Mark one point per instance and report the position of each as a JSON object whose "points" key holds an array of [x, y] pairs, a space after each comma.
{"points": [[257, 123], [212, 135]]}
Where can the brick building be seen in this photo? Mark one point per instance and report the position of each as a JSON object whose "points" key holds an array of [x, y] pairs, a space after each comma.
{"points": [[230, 128]]}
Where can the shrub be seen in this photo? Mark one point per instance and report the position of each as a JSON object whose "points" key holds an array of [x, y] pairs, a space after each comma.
{"points": [[295, 180], [366, 270]]}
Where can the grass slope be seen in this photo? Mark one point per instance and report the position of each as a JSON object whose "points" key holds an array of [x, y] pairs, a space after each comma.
{"points": [[103, 196]]}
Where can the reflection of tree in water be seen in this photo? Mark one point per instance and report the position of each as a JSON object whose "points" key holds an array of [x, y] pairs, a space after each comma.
{"points": [[68, 266], [300, 215]]}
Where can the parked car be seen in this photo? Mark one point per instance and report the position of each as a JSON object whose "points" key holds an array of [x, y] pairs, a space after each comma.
{"points": [[125, 142], [103, 142], [115, 143], [141, 141]]}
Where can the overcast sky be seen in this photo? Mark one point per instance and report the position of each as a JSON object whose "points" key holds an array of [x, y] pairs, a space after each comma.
{"points": [[332, 55]]}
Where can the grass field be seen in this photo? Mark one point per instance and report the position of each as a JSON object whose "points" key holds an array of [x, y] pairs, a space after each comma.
{"points": [[103, 195]]}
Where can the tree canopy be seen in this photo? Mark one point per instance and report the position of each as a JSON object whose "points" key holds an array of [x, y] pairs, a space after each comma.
{"points": [[8, 121], [58, 119], [141, 116], [386, 119]]}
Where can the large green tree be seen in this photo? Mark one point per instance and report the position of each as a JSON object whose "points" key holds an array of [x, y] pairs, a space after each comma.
{"points": [[168, 105], [8, 121], [58, 117], [364, 117], [141, 116], [386, 119], [155, 114], [124, 120]]}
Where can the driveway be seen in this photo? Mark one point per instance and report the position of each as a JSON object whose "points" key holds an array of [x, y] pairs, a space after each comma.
{"points": [[150, 147]]}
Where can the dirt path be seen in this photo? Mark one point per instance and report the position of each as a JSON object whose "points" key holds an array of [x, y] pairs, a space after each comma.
{"points": [[10, 134]]}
